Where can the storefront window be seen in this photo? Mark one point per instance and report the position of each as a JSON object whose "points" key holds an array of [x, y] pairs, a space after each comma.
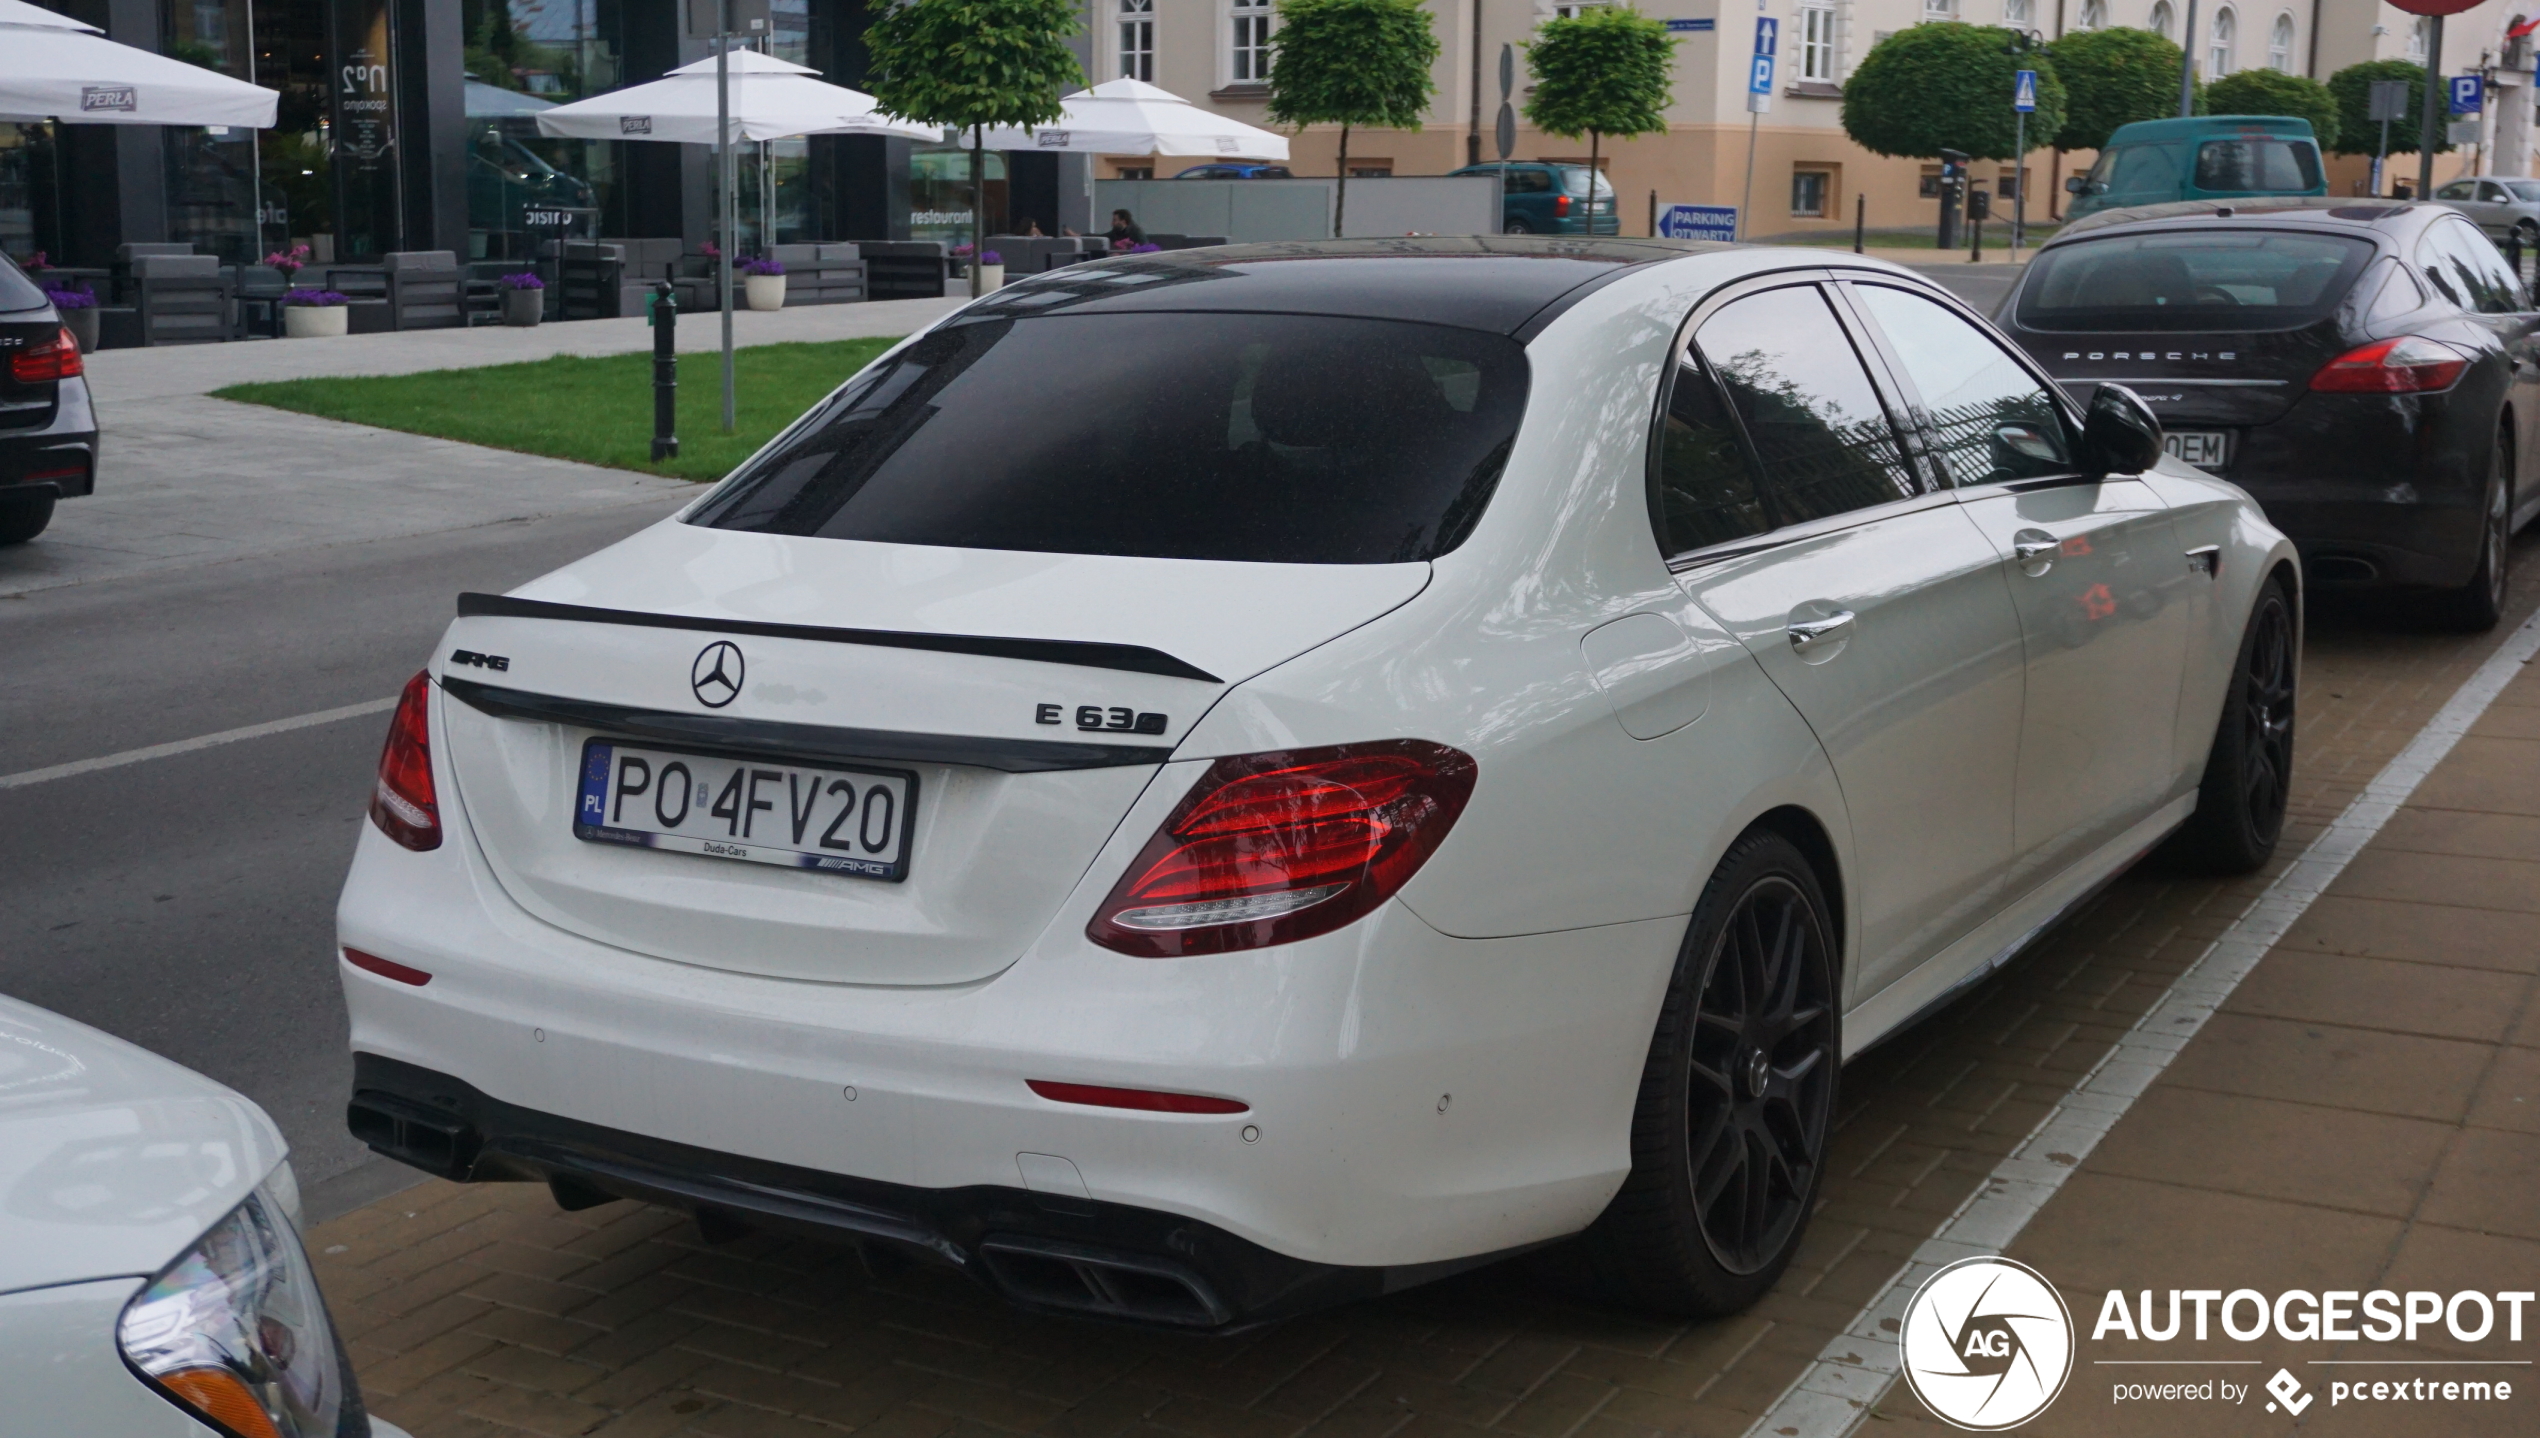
{"points": [[522, 187], [939, 193], [30, 203], [211, 173]]}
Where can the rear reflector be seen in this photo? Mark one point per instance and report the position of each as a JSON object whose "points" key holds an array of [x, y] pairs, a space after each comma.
{"points": [[45, 476], [2410, 364], [1148, 1100], [386, 968]]}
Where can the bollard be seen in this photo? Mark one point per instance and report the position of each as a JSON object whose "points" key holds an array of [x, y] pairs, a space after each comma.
{"points": [[1860, 221], [665, 321]]}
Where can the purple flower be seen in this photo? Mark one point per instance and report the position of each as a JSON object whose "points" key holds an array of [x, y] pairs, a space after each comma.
{"points": [[709, 251], [289, 261], [761, 267], [67, 298], [991, 257], [961, 251], [320, 298], [521, 281], [1144, 250]]}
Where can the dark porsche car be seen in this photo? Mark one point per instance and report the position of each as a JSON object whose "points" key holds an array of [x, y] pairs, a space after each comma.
{"points": [[48, 431], [2366, 370]]}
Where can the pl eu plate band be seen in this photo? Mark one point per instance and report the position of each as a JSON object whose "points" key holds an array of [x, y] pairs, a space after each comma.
{"points": [[1084, 653], [803, 741]]}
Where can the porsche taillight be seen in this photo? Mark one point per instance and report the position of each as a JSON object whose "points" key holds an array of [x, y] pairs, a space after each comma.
{"points": [[1271, 848], [402, 802], [44, 363], [2410, 364]]}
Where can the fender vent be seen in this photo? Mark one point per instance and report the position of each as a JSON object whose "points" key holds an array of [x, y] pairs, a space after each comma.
{"points": [[1106, 1284]]}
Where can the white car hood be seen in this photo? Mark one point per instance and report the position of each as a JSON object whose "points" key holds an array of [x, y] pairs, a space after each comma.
{"points": [[112, 1159]]}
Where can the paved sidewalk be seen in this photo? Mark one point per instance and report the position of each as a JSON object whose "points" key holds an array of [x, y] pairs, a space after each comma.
{"points": [[484, 1311]]}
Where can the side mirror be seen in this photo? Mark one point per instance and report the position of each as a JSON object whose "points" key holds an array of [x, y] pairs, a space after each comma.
{"points": [[2075, 184], [2119, 433]]}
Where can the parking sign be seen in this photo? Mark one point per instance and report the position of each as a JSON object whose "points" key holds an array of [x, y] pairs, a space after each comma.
{"points": [[1698, 222], [2469, 94]]}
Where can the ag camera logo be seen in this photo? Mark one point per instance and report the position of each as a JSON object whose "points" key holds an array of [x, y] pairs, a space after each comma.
{"points": [[1988, 1343]]}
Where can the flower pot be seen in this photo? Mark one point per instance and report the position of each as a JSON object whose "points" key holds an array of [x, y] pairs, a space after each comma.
{"points": [[315, 322], [765, 292], [991, 277], [83, 327], [523, 308]]}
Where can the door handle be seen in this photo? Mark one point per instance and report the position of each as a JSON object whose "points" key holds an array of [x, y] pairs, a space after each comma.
{"points": [[2034, 550], [1806, 634], [2030, 551]]}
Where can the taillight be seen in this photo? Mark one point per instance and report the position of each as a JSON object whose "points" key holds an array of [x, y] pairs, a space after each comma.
{"points": [[1561, 204], [2410, 364], [55, 359], [1272, 848], [401, 804]]}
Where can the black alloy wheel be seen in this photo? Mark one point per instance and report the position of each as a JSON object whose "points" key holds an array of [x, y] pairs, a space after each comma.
{"points": [[2478, 605], [24, 516], [2249, 772], [1762, 1080], [1736, 1099]]}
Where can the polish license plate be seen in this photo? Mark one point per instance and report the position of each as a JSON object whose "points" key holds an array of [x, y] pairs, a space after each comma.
{"points": [[763, 811], [2204, 448]]}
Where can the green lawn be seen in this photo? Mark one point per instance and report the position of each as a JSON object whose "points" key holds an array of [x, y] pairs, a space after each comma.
{"points": [[599, 411]]}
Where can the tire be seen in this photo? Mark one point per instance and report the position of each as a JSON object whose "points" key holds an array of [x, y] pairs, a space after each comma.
{"points": [[2249, 772], [1737, 1097], [2475, 607], [23, 516], [1518, 227]]}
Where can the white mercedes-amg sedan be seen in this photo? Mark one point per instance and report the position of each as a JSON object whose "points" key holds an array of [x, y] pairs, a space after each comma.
{"points": [[1211, 783]]}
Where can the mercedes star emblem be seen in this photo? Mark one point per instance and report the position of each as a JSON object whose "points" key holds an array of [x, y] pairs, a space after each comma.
{"points": [[716, 676]]}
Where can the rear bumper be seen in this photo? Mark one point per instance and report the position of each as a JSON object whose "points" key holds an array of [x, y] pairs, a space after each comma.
{"points": [[2374, 490], [61, 455], [1044, 1251]]}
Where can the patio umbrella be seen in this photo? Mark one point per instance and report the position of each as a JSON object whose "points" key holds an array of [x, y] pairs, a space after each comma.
{"points": [[771, 99], [1132, 117], [55, 68]]}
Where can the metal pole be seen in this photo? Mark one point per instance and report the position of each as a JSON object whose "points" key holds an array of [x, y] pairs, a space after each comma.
{"points": [[2187, 66], [1746, 206], [2430, 132], [2019, 185], [723, 179], [665, 372], [1860, 220]]}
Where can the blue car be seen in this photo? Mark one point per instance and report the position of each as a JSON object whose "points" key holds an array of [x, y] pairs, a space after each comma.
{"points": [[1542, 198]]}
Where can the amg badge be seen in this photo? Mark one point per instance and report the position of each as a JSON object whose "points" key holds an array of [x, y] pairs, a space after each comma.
{"points": [[1095, 716], [482, 661]]}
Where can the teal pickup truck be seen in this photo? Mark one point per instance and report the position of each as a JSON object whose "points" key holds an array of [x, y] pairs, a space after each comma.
{"points": [[2205, 157]]}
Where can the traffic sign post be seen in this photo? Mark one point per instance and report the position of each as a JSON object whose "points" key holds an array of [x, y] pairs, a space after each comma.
{"points": [[1759, 98], [2023, 104], [2387, 101]]}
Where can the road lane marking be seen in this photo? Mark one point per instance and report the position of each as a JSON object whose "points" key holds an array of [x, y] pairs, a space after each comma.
{"points": [[1851, 1374], [187, 746]]}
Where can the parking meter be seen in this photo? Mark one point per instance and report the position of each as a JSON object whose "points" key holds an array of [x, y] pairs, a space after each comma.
{"points": [[1953, 188]]}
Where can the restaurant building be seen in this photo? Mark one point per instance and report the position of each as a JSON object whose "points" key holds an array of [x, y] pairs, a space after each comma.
{"points": [[411, 125]]}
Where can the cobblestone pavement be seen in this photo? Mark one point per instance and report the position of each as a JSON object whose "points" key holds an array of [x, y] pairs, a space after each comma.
{"points": [[483, 1310]]}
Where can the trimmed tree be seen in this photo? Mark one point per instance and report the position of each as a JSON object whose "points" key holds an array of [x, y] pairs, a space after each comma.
{"points": [[1929, 88], [2358, 133], [1607, 71], [971, 64], [2115, 77], [2272, 92], [1352, 63]]}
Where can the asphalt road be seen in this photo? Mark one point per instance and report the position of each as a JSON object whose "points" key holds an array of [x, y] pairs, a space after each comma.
{"points": [[187, 902]]}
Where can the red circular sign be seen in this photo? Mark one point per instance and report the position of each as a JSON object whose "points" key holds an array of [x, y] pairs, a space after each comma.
{"points": [[2434, 7]]}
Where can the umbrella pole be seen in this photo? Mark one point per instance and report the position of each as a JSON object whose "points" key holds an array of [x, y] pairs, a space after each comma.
{"points": [[723, 173]]}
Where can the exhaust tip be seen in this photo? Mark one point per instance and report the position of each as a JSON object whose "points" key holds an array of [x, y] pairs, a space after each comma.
{"points": [[2342, 569], [1102, 1283]]}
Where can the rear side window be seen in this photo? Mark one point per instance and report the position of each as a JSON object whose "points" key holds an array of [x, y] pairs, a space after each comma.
{"points": [[1299, 439], [2213, 280], [1529, 182], [1706, 490], [2253, 163], [1808, 406], [2469, 271]]}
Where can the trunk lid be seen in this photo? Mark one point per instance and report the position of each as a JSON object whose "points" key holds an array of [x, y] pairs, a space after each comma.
{"points": [[975, 671], [2219, 378]]}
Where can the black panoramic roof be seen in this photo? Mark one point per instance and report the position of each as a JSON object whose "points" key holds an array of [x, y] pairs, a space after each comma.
{"points": [[1485, 282]]}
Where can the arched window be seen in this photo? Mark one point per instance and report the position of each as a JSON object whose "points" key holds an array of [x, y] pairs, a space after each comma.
{"points": [[2280, 45], [2218, 53], [2094, 15], [2164, 20], [2417, 34]]}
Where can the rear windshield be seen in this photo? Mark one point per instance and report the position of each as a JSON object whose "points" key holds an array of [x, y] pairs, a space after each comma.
{"points": [[17, 292], [2258, 165], [2231, 280], [1298, 439], [1575, 182]]}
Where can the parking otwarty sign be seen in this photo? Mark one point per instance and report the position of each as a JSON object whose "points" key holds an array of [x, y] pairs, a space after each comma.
{"points": [[1698, 222]]}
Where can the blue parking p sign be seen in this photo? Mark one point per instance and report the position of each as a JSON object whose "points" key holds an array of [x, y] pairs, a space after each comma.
{"points": [[1698, 222], [2469, 94]]}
